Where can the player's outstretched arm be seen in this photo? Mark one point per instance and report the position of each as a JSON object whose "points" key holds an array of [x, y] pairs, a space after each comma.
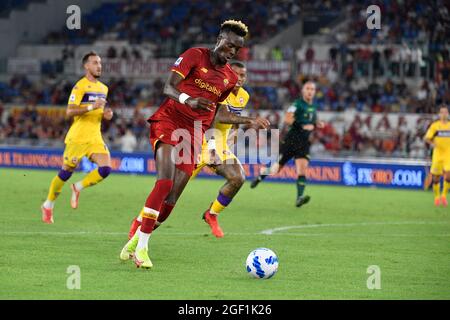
{"points": [[171, 90], [225, 116]]}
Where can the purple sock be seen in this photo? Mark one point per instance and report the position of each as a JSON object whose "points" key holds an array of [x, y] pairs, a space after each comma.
{"points": [[64, 175], [104, 171], [223, 199]]}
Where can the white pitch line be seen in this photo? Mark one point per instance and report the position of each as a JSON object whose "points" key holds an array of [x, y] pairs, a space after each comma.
{"points": [[93, 233], [358, 224], [57, 233], [186, 234], [272, 232]]}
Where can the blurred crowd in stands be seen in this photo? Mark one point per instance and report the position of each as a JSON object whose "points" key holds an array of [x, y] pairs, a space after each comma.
{"points": [[364, 138], [402, 20], [415, 46], [176, 24], [331, 96], [48, 126], [8, 5], [368, 70], [361, 136]]}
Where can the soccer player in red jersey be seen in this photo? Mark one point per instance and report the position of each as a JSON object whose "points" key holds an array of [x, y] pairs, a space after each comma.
{"points": [[200, 81]]}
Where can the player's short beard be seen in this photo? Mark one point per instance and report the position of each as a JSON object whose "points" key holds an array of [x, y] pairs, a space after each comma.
{"points": [[221, 57]]}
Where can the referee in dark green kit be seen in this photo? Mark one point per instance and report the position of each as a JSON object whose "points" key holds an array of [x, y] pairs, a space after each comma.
{"points": [[301, 117]]}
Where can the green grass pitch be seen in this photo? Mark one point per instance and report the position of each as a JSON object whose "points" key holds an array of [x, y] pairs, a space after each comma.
{"points": [[324, 255]]}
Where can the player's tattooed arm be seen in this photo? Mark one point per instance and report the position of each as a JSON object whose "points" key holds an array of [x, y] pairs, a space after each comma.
{"points": [[171, 90], [232, 136], [76, 110], [225, 116]]}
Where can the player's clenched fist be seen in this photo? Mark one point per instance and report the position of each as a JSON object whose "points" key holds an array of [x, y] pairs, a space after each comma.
{"points": [[200, 103], [261, 123], [99, 103]]}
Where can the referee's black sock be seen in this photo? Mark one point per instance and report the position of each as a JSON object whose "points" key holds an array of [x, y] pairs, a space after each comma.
{"points": [[301, 185]]}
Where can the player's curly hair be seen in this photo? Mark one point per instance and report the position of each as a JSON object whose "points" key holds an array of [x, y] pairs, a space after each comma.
{"points": [[238, 27]]}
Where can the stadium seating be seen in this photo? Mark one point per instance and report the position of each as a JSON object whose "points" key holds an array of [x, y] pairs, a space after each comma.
{"points": [[386, 72], [172, 21], [8, 5]]}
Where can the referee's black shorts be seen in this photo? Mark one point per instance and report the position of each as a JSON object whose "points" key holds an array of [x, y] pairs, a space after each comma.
{"points": [[294, 146]]}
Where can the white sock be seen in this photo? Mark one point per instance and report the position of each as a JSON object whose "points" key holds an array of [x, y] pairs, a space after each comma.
{"points": [[49, 204], [265, 171], [139, 218], [274, 169], [79, 186], [143, 240]]}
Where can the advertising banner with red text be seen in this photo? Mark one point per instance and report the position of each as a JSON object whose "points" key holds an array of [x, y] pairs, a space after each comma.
{"points": [[346, 173]]}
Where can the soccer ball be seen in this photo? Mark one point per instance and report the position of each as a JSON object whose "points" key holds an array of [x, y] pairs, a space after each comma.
{"points": [[262, 263]]}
